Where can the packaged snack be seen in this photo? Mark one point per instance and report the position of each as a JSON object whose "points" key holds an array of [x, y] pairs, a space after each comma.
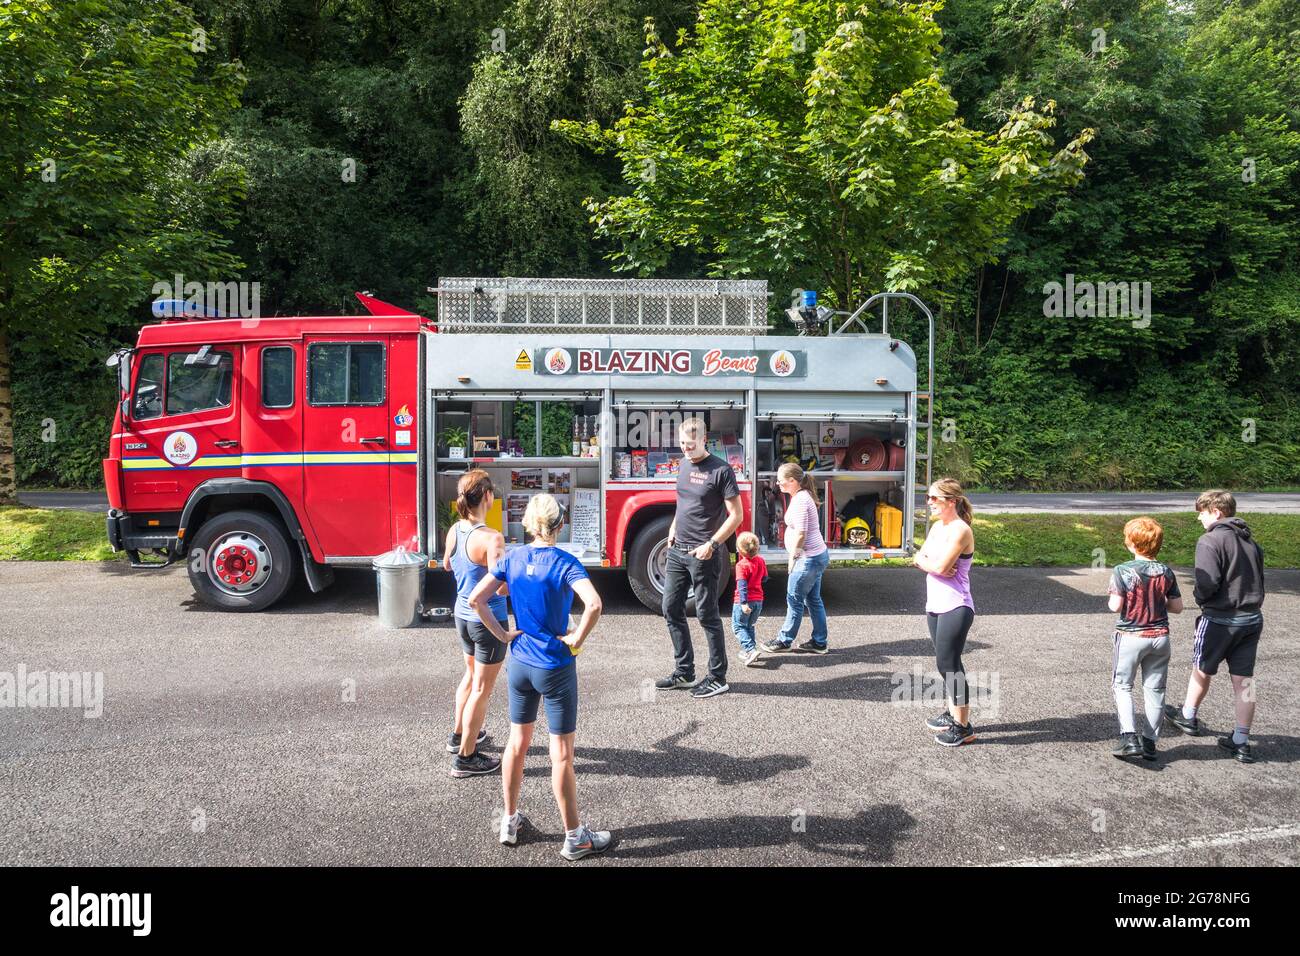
{"points": [[622, 464], [638, 464]]}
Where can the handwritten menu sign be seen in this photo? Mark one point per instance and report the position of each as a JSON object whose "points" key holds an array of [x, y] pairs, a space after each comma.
{"points": [[584, 518]]}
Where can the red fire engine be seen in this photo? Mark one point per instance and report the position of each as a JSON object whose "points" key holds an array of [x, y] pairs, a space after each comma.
{"points": [[258, 448]]}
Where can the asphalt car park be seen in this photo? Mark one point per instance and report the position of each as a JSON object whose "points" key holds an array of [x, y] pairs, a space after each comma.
{"points": [[311, 735]]}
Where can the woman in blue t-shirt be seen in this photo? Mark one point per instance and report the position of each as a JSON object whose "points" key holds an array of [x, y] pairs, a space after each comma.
{"points": [[543, 580]]}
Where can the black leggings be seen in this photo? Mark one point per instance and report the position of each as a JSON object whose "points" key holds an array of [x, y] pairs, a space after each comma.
{"points": [[948, 631]]}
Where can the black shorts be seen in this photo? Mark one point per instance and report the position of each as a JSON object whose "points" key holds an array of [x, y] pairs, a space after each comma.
{"points": [[477, 641], [1234, 643]]}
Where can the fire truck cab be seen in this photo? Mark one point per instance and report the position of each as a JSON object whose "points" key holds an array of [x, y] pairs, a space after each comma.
{"points": [[258, 449]]}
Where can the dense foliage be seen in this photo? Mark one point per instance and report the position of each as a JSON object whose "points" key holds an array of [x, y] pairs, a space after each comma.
{"points": [[818, 161]]}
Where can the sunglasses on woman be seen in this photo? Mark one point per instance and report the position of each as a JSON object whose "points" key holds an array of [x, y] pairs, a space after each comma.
{"points": [[937, 498]]}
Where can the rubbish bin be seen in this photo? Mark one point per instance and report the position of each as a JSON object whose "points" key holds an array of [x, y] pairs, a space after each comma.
{"points": [[400, 577]]}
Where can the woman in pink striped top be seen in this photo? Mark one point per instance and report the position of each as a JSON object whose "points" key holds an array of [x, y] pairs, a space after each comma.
{"points": [[808, 559]]}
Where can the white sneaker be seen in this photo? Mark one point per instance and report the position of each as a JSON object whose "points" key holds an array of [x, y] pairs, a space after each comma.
{"points": [[509, 832], [588, 842], [751, 658]]}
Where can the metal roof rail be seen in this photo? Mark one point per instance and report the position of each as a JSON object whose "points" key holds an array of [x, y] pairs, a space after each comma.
{"points": [[667, 306]]}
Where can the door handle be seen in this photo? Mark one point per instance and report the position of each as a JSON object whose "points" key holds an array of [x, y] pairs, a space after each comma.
{"points": [[381, 440], [227, 443]]}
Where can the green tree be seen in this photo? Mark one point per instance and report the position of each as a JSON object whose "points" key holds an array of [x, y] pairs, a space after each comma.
{"points": [[816, 144], [102, 103]]}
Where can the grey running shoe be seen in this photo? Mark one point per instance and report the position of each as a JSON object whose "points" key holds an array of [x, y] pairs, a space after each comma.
{"points": [[453, 741], [956, 735], [773, 647], [813, 647], [940, 722], [586, 843], [508, 833], [473, 765]]}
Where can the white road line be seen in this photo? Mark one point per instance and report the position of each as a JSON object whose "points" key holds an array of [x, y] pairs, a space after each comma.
{"points": [[1231, 838]]}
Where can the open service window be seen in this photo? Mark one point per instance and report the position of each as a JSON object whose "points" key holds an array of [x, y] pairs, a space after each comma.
{"points": [[644, 442]]}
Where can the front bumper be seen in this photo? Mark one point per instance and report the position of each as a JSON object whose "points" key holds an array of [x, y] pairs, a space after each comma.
{"points": [[126, 534]]}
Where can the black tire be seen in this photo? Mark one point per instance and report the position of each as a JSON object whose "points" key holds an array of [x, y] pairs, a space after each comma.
{"points": [[262, 536], [645, 549]]}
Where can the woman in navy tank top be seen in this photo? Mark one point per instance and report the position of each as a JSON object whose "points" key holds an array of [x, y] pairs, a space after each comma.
{"points": [[471, 548]]}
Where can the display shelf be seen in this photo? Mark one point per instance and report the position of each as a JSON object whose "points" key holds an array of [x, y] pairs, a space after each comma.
{"points": [[866, 475], [525, 462]]}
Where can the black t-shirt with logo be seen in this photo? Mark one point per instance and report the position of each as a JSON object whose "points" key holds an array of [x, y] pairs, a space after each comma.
{"points": [[702, 489]]}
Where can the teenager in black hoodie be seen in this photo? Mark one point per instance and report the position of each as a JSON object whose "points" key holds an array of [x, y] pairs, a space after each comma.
{"points": [[1230, 592]]}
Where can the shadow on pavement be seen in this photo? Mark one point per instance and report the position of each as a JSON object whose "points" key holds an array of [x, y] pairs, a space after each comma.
{"points": [[666, 758], [869, 836]]}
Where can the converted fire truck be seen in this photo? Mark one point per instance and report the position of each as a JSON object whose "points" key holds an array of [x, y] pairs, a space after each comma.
{"points": [[259, 449]]}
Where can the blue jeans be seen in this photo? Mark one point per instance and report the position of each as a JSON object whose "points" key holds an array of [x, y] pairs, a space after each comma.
{"points": [[804, 589], [742, 624]]}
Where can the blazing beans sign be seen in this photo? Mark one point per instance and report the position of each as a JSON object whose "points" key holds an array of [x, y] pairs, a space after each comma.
{"points": [[760, 363]]}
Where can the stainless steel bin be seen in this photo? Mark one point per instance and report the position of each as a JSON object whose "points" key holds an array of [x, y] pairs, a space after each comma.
{"points": [[399, 575]]}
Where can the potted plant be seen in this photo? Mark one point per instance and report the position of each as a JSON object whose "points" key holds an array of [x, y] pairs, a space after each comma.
{"points": [[453, 438]]}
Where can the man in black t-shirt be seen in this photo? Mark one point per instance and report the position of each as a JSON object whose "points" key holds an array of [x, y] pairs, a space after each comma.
{"points": [[708, 513]]}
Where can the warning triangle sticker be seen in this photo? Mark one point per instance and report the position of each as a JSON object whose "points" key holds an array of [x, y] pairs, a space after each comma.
{"points": [[523, 361]]}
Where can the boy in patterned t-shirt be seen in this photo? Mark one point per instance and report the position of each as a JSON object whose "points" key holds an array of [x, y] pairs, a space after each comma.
{"points": [[1143, 591]]}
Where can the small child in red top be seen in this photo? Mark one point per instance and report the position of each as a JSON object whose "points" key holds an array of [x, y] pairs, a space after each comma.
{"points": [[751, 575]]}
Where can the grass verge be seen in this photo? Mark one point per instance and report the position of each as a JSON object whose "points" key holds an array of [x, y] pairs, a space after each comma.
{"points": [[1024, 540]]}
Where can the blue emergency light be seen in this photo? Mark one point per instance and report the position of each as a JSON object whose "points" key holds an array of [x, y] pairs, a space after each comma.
{"points": [[183, 309]]}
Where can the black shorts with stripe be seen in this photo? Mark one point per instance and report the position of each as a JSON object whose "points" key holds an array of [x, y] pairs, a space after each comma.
{"points": [[1234, 643]]}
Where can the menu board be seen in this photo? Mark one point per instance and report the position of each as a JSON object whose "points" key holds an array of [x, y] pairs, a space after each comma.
{"points": [[584, 518]]}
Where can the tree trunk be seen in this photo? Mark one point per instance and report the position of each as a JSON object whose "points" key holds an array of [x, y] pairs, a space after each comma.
{"points": [[8, 468]]}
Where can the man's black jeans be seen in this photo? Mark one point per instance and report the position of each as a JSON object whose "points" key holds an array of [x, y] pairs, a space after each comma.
{"points": [[683, 571]]}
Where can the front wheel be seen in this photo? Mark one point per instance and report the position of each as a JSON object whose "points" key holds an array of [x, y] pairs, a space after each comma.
{"points": [[647, 564], [240, 561]]}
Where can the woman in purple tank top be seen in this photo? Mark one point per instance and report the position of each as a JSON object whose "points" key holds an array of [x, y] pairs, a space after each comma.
{"points": [[949, 609]]}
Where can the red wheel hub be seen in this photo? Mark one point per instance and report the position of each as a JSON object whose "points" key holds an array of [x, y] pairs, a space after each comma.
{"points": [[236, 565]]}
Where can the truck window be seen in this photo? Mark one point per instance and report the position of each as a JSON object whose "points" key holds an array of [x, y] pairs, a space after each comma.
{"points": [[147, 402], [199, 386], [277, 377], [345, 373]]}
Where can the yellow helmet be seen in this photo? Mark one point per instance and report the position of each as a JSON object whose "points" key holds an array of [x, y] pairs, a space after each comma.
{"points": [[857, 533]]}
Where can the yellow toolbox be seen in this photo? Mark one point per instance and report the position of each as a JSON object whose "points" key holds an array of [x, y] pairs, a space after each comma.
{"points": [[889, 526]]}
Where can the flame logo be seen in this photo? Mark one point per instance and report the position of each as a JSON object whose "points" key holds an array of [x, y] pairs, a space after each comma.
{"points": [[403, 417]]}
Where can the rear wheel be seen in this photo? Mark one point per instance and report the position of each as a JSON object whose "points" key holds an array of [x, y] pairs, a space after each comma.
{"points": [[648, 563], [240, 561]]}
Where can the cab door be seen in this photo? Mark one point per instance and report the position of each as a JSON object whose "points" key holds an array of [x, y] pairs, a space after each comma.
{"points": [[183, 428], [346, 444]]}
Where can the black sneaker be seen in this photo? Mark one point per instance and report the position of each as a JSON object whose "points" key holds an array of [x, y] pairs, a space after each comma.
{"points": [[1127, 746], [1241, 751], [940, 722], [1191, 728], [1148, 748], [813, 647], [453, 741], [956, 735], [674, 681], [773, 647], [476, 763], [709, 688]]}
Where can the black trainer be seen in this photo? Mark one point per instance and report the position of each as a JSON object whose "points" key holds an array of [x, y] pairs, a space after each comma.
{"points": [[674, 681], [1148, 748], [709, 688], [473, 765], [773, 646], [940, 722], [956, 735], [1191, 728], [1241, 751], [453, 741], [813, 647], [1127, 746]]}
